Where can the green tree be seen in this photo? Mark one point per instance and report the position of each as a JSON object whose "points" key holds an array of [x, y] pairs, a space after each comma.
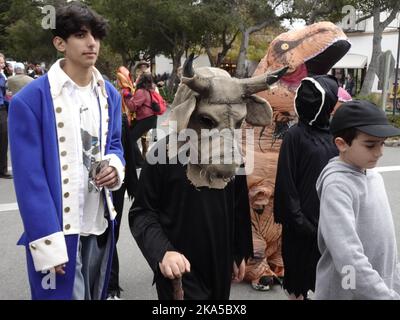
{"points": [[173, 29], [5, 20], [125, 20], [24, 38], [312, 11], [220, 31], [142, 28], [252, 16]]}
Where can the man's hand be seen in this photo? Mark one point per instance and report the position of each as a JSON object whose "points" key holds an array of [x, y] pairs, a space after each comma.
{"points": [[107, 177], [174, 265], [238, 273], [60, 269]]}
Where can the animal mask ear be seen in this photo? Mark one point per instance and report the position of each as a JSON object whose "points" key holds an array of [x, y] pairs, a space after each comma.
{"points": [[259, 112], [182, 112]]}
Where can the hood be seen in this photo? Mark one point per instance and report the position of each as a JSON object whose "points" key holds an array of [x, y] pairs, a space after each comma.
{"points": [[335, 165], [315, 99]]}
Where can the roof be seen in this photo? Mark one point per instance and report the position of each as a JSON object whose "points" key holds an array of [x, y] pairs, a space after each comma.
{"points": [[351, 61]]}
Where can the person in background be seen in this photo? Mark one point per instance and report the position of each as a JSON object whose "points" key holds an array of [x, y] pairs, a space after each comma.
{"points": [[140, 103], [3, 123], [129, 186], [343, 96], [349, 84], [19, 80], [30, 70], [141, 68], [8, 70], [38, 71]]}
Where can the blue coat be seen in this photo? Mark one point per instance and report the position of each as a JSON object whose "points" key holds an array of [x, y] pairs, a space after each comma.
{"points": [[37, 178]]}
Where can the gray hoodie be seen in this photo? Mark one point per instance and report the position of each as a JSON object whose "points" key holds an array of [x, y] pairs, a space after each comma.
{"points": [[356, 236]]}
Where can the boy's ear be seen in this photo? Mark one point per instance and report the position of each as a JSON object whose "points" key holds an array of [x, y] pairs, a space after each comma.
{"points": [[59, 44], [341, 144]]}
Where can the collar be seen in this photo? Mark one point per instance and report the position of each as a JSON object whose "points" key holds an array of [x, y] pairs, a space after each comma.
{"points": [[59, 79]]}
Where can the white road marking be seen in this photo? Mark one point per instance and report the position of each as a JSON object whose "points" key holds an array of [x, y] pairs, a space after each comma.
{"points": [[9, 207], [14, 206], [388, 168]]}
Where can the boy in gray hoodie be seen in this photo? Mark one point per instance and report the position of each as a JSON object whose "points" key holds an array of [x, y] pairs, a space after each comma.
{"points": [[356, 235]]}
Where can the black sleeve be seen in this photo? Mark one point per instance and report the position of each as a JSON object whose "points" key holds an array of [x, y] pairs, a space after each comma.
{"points": [[287, 206], [144, 216], [131, 180], [243, 245]]}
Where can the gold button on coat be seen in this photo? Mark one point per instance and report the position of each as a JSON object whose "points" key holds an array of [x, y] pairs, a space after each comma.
{"points": [[48, 242]]}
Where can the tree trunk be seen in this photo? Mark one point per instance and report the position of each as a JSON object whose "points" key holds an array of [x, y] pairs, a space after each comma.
{"points": [[207, 47], [379, 27], [210, 57], [226, 46], [376, 50], [176, 63], [241, 62], [373, 65]]}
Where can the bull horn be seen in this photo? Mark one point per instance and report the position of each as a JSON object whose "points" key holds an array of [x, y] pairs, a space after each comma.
{"points": [[261, 83], [199, 85], [188, 71], [195, 83]]}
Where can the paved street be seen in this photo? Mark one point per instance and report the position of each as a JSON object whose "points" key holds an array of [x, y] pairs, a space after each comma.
{"points": [[136, 276]]}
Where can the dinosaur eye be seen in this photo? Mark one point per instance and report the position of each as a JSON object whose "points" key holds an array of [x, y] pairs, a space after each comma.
{"points": [[284, 46], [207, 122]]}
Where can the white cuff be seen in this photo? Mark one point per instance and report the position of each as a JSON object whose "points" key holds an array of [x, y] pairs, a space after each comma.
{"points": [[49, 252], [117, 164]]}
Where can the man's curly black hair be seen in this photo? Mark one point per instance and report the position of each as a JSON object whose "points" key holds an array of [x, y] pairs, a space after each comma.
{"points": [[73, 16]]}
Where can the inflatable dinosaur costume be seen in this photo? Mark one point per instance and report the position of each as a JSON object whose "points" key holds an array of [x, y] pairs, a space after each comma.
{"points": [[307, 51]]}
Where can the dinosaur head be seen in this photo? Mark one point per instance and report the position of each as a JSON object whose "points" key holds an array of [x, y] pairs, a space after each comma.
{"points": [[312, 50]]}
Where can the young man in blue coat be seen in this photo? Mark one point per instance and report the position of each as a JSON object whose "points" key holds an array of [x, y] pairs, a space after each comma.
{"points": [[61, 127]]}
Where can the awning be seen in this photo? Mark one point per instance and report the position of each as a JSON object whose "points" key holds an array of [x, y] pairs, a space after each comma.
{"points": [[351, 61]]}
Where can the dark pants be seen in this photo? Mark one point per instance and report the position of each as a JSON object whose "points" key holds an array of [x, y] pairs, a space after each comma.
{"points": [[193, 288], [138, 129], [118, 200], [129, 185], [3, 140], [91, 266]]}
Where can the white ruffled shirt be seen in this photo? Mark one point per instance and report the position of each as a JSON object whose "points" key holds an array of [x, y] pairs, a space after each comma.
{"points": [[91, 204]]}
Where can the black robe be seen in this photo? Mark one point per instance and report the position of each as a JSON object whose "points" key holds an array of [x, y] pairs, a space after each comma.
{"points": [[305, 151], [210, 227]]}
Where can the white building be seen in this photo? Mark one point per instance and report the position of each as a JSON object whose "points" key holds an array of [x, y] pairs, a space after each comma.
{"points": [[164, 65], [360, 53]]}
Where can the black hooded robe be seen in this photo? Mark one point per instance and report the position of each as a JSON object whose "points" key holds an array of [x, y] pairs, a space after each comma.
{"points": [[210, 227], [305, 151]]}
